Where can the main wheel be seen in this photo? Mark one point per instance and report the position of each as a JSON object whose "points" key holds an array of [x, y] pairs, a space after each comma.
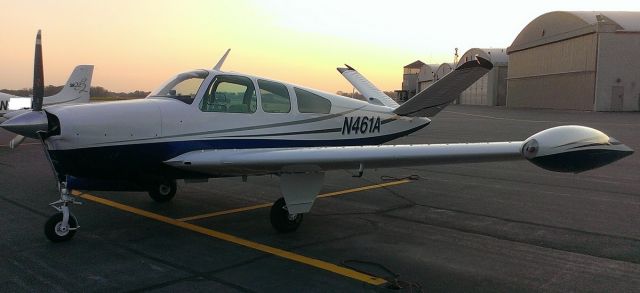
{"points": [[54, 230], [163, 191], [281, 220]]}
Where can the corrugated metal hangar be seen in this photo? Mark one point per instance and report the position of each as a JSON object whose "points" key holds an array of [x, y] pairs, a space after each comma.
{"points": [[410, 80], [560, 60], [419, 76], [491, 89], [426, 76], [577, 60], [443, 70]]}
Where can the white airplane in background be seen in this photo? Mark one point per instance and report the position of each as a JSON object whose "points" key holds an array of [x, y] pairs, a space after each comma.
{"points": [[76, 90], [211, 123]]}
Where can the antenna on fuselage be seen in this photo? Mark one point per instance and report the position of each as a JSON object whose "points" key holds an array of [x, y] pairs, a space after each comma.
{"points": [[224, 57]]}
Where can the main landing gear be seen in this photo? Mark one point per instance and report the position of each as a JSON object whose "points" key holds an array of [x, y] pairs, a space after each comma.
{"points": [[63, 225], [162, 190], [282, 220]]}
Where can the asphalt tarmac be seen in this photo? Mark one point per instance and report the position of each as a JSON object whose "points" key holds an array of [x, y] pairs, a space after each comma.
{"points": [[507, 227]]}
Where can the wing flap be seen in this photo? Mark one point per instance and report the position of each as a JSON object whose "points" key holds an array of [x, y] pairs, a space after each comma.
{"points": [[279, 160], [433, 99]]}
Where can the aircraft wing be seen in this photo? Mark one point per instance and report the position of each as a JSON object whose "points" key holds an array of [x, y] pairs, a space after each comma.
{"points": [[433, 99], [311, 159], [567, 148]]}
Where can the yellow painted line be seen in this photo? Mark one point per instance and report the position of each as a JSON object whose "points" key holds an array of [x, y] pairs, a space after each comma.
{"points": [[220, 213], [363, 188], [239, 241], [266, 205]]}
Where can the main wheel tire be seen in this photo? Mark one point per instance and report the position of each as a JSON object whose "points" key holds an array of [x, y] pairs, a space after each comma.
{"points": [[281, 220], [55, 232], [163, 191]]}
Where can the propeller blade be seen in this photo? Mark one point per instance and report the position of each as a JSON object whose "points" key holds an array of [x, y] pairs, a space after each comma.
{"points": [[38, 76], [16, 141]]}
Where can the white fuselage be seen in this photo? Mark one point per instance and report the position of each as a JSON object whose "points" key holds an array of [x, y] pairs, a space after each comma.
{"points": [[160, 128]]}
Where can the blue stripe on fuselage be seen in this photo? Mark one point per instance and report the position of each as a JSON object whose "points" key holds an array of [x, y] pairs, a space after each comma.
{"points": [[136, 161]]}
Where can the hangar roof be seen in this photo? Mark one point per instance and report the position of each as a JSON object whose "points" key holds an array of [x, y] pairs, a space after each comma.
{"points": [[561, 25], [443, 70], [496, 56], [415, 64]]}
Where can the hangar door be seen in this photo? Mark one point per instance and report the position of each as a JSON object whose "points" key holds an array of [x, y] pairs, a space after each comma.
{"points": [[558, 75]]}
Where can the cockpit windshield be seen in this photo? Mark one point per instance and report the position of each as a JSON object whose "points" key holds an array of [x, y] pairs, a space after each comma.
{"points": [[183, 86]]}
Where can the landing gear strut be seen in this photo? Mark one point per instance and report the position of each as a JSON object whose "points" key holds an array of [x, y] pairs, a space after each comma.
{"points": [[63, 225], [282, 220], [163, 190]]}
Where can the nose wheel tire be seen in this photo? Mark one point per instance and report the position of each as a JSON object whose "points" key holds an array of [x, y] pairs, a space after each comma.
{"points": [[163, 191], [281, 220], [56, 232]]}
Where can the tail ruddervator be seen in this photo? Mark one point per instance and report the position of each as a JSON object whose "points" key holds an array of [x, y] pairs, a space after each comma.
{"points": [[433, 99], [366, 88]]}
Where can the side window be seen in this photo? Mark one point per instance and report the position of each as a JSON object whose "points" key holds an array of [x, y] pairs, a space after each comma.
{"points": [[309, 102], [230, 94], [275, 97]]}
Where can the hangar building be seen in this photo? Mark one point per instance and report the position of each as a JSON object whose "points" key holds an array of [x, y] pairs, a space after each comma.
{"points": [[426, 76], [410, 80], [443, 70], [491, 89], [577, 60]]}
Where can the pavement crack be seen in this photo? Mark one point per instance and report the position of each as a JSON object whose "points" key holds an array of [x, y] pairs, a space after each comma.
{"points": [[15, 203], [194, 274], [572, 240]]}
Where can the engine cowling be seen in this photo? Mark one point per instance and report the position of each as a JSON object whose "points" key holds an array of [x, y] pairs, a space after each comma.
{"points": [[573, 148]]}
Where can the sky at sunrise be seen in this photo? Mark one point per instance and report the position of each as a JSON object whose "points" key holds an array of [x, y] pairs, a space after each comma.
{"points": [[135, 45]]}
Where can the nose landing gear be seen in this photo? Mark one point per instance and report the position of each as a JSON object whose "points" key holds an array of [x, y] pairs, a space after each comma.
{"points": [[63, 225]]}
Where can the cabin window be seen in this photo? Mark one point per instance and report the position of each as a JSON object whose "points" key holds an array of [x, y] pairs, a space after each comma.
{"points": [[182, 87], [230, 94], [309, 102], [275, 97]]}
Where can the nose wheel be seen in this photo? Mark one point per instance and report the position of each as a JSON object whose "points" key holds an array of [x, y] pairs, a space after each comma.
{"points": [[63, 225], [58, 230], [282, 220]]}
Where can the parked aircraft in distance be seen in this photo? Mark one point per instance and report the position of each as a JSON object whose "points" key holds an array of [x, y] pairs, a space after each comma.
{"points": [[211, 123], [76, 90]]}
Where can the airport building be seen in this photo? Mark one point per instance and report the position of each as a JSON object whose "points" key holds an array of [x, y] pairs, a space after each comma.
{"points": [[577, 60], [491, 89], [426, 76], [419, 76], [409, 81], [443, 70]]}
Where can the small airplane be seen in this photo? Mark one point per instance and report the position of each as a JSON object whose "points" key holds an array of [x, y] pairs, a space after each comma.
{"points": [[203, 124]]}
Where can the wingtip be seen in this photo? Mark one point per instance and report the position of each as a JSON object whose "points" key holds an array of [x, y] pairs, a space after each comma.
{"points": [[484, 63], [343, 69]]}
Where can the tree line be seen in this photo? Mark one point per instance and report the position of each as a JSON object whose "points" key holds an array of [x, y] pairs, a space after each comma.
{"points": [[96, 91]]}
